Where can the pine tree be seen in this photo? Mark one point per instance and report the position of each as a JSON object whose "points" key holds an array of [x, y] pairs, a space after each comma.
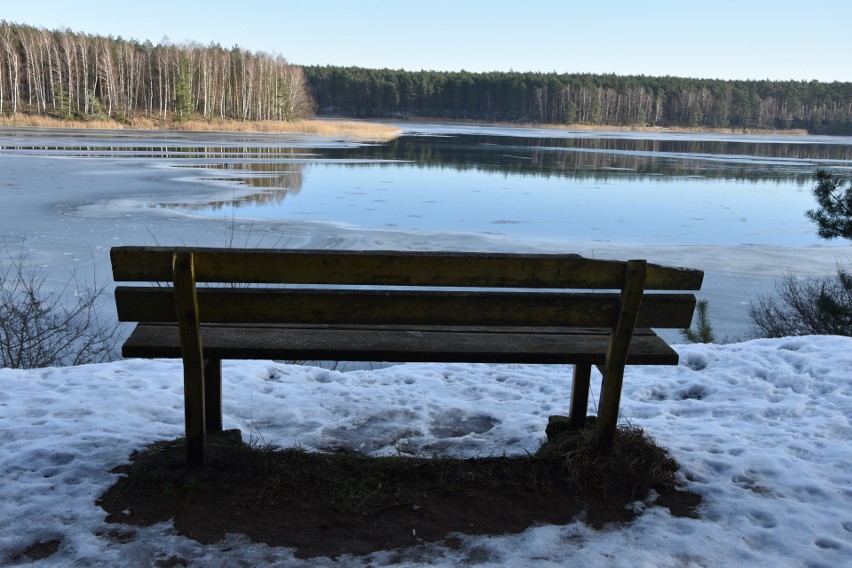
{"points": [[183, 91], [834, 216], [703, 332]]}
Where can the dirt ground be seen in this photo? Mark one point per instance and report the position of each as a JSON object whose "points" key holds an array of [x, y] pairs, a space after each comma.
{"points": [[334, 504]]}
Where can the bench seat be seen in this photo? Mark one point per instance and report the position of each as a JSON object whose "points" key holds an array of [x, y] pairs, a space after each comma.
{"points": [[457, 344]]}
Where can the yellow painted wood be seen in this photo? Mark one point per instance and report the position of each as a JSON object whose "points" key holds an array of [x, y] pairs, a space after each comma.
{"points": [[186, 306], [393, 268], [616, 356]]}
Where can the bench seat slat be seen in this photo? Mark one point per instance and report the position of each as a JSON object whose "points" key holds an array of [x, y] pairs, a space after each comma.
{"points": [[235, 305], [394, 268], [400, 344]]}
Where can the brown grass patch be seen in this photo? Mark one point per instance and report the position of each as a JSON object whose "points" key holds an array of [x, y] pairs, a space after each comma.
{"points": [[329, 504], [352, 129]]}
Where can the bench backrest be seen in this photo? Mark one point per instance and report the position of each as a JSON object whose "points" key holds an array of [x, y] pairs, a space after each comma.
{"points": [[397, 287]]}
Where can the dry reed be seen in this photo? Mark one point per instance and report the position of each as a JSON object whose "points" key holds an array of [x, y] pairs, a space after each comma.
{"points": [[329, 128]]}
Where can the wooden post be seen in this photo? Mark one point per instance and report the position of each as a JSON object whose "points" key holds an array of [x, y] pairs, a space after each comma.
{"points": [[213, 395], [579, 395], [186, 301], [616, 353]]}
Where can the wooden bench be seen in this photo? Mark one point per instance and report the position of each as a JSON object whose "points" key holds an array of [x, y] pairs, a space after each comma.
{"points": [[206, 304]]}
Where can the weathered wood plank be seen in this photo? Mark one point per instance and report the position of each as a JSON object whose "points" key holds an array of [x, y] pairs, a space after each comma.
{"points": [[186, 312], [616, 354], [433, 307], [400, 344], [393, 268]]}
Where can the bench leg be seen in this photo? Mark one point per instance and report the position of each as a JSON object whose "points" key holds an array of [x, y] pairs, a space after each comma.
{"points": [[213, 395], [616, 353], [613, 379], [193, 387], [579, 396], [186, 303]]}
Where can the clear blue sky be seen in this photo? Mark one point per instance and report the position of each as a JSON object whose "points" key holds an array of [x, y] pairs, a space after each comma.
{"points": [[726, 39]]}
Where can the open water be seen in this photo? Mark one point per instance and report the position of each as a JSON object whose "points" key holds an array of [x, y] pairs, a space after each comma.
{"points": [[732, 205]]}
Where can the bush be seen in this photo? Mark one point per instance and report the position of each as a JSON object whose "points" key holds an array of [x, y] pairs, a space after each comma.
{"points": [[805, 306], [42, 328]]}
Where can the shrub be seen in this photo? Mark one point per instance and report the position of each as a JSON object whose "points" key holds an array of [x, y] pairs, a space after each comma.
{"points": [[816, 305], [42, 328], [805, 306]]}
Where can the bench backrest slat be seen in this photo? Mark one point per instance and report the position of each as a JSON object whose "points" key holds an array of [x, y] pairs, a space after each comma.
{"points": [[392, 307], [393, 268]]}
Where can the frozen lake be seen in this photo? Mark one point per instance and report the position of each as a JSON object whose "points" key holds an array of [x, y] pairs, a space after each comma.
{"points": [[732, 205]]}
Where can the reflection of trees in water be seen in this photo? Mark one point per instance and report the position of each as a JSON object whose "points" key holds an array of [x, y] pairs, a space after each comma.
{"points": [[275, 179], [262, 174], [165, 152], [602, 159], [277, 169]]}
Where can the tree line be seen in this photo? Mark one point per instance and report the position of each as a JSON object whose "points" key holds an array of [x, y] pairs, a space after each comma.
{"points": [[592, 99], [75, 75]]}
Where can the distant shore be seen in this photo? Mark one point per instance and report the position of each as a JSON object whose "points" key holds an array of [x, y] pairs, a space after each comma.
{"points": [[360, 130], [614, 127], [356, 129]]}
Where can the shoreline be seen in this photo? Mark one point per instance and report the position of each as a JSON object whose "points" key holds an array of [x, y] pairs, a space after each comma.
{"points": [[369, 130], [354, 129], [610, 127]]}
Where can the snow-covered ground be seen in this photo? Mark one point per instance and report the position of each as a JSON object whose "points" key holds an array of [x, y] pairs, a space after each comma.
{"points": [[762, 431]]}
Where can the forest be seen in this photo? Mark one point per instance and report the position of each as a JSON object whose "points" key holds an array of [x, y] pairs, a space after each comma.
{"points": [[72, 75], [64, 74], [598, 100]]}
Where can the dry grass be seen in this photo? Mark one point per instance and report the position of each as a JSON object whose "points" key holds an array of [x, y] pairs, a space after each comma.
{"points": [[335, 128], [330, 128]]}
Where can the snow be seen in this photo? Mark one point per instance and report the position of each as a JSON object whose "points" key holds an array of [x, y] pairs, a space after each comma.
{"points": [[761, 429]]}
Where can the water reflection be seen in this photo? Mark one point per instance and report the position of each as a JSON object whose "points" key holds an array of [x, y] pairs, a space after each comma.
{"points": [[687, 190], [277, 180], [603, 159], [161, 152], [256, 174], [581, 158], [614, 190]]}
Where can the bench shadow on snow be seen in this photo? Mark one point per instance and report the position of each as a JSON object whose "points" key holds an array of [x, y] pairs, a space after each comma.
{"points": [[343, 502]]}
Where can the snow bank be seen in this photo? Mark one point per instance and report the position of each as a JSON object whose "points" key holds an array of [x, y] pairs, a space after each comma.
{"points": [[761, 429]]}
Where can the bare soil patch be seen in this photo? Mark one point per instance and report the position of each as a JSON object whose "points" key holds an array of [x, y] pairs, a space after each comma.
{"points": [[324, 504]]}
